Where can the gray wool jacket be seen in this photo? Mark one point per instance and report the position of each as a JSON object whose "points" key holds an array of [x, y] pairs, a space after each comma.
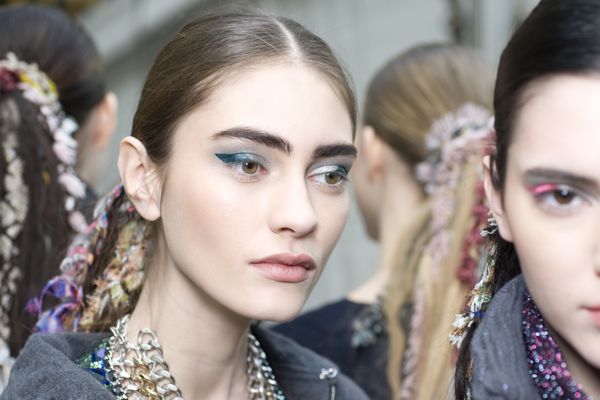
{"points": [[500, 367], [46, 370]]}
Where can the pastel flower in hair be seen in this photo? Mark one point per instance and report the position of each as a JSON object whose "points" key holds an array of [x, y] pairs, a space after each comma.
{"points": [[39, 89]]}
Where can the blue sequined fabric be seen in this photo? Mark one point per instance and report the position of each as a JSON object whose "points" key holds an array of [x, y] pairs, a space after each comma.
{"points": [[96, 363], [547, 366]]}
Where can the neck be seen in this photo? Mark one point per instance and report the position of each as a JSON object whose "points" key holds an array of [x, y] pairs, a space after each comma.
{"points": [[398, 208], [582, 371], [204, 344]]}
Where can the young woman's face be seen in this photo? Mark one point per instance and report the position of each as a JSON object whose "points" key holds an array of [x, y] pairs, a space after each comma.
{"points": [[551, 207], [255, 195]]}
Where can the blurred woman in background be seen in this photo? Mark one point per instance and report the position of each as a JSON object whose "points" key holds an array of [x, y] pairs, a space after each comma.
{"points": [[55, 113]]}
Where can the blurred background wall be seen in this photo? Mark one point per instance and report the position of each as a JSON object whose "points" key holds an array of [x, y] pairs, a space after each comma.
{"points": [[364, 34]]}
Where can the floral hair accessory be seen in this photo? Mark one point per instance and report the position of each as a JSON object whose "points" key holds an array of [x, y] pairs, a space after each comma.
{"points": [[112, 291], [33, 85], [452, 142], [479, 299], [13, 211], [39, 89]]}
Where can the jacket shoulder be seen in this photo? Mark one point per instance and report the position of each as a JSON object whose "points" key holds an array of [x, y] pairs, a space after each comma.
{"points": [[304, 374], [46, 369]]}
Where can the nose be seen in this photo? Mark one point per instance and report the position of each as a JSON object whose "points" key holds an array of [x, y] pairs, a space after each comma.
{"points": [[292, 210]]}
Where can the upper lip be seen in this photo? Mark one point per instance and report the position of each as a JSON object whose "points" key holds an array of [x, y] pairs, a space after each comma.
{"points": [[289, 259], [593, 308]]}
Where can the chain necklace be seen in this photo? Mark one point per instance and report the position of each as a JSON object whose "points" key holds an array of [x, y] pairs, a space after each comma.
{"points": [[139, 371]]}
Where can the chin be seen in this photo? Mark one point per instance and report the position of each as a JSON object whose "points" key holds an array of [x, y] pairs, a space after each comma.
{"points": [[592, 356], [280, 311]]}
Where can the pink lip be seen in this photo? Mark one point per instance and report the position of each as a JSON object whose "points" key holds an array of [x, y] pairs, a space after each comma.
{"points": [[285, 267], [594, 312]]}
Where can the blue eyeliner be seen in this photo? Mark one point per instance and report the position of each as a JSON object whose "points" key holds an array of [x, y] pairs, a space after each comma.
{"points": [[230, 158]]}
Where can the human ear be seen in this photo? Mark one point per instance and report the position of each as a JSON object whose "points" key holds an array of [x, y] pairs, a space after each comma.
{"points": [[140, 178], [103, 121], [372, 149], [494, 198]]}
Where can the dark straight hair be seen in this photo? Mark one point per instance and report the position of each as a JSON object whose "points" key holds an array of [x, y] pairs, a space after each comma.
{"points": [[559, 37]]}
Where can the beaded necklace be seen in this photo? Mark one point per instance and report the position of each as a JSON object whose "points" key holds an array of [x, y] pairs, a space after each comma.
{"points": [[139, 371], [547, 367]]}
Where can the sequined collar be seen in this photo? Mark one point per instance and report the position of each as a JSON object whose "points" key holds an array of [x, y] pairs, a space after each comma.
{"points": [[547, 367]]}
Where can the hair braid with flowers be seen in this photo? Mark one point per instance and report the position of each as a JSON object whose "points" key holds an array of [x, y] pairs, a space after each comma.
{"points": [[102, 273], [451, 248], [40, 192]]}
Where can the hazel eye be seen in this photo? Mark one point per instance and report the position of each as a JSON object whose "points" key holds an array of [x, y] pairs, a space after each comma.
{"points": [[330, 177], [250, 167], [333, 178], [245, 166]]}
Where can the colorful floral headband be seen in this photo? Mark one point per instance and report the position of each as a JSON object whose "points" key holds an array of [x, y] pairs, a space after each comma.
{"points": [[37, 88]]}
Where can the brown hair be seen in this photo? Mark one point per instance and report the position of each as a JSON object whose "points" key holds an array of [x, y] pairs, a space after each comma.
{"points": [[419, 86], [50, 39], [201, 56]]}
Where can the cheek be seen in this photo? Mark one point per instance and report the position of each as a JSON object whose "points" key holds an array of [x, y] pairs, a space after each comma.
{"points": [[202, 216], [332, 214], [551, 249]]}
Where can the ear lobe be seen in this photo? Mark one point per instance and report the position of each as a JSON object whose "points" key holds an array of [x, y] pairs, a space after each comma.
{"points": [[372, 150], [140, 178], [494, 198], [104, 121]]}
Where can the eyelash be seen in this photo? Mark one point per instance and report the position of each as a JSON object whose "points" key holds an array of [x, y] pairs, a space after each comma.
{"points": [[337, 170], [545, 195], [236, 162]]}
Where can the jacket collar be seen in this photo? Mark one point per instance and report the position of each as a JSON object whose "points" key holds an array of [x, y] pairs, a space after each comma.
{"points": [[303, 374], [500, 368]]}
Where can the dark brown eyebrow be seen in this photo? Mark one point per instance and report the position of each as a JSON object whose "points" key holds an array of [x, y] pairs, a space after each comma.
{"points": [[334, 150], [536, 176], [277, 142], [265, 138]]}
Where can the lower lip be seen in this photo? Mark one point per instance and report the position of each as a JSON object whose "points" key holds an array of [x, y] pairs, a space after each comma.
{"points": [[595, 314], [282, 272]]}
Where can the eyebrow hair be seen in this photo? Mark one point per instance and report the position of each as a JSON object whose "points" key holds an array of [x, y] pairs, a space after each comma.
{"points": [[277, 142], [265, 138], [540, 175], [334, 150]]}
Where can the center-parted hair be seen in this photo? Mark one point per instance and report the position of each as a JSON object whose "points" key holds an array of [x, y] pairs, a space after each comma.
{"points": [[107, 265]]}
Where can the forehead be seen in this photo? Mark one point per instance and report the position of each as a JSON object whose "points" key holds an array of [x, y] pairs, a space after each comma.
{"points": [[289, 99], [559, 125]]}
